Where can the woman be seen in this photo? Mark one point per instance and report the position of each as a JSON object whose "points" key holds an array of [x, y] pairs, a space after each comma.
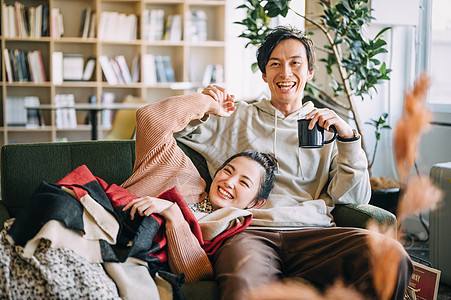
{"points": [[243, 181]]}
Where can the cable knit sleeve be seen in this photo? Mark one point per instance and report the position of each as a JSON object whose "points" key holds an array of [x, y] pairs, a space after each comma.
{"points": [[160, 164], [185, 254]]}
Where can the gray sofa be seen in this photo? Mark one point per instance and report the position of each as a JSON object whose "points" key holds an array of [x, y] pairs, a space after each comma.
{"points": [[24, 166]]}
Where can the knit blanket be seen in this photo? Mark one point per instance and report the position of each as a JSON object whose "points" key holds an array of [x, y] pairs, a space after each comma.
{"points": [[82, 216]]}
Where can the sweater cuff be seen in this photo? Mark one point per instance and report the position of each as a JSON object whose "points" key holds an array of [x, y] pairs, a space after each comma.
{"points": [[350, 150], [354, 138]]}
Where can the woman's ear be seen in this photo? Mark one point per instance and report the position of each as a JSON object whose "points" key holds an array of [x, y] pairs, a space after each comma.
{"points": [[257, 203]]}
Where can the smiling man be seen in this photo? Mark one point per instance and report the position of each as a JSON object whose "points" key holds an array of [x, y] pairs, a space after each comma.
{"points": [[293, 234]]}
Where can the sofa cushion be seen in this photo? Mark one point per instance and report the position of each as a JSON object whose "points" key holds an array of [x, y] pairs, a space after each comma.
{"points": [[24, 166]]}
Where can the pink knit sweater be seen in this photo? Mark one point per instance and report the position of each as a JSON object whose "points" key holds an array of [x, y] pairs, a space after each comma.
{"points": [[160, 165]]}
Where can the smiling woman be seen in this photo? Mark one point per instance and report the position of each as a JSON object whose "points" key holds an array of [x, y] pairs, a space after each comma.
{"points": [[243, 181]]}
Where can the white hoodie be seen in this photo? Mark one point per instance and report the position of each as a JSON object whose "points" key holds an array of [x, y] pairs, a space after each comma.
{"points": [[309, 181]]}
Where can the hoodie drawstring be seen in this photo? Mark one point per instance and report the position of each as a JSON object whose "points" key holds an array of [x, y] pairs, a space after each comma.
{"points": [[299, 154], [275, 138]]}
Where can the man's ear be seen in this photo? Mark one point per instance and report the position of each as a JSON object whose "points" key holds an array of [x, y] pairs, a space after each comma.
{"points": [[257, 203], [310, 75], [264, 77]]}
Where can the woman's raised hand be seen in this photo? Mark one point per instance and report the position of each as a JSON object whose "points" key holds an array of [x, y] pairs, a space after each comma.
{"points": [[226, 102]]}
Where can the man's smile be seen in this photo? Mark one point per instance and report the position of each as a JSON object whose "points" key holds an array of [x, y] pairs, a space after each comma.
{"points": [[286, 85]]}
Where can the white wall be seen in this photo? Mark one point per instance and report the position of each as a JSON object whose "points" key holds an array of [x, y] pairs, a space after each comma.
{"points": [[241, 81]]}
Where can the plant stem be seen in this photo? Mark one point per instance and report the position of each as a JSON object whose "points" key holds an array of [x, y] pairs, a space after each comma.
{"points": [[343, 76]]}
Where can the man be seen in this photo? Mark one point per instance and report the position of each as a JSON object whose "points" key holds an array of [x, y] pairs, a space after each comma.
{"points": [[293, 233]]}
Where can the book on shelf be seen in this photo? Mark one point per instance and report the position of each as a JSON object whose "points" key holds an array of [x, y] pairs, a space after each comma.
{"points": [[57, 67], [34, 116], [57, 23], [21, 21], [168, 69], [92, 25], [159, 68], [89, 69], [84, 23], [107, 114], [45, 20], [214, 73], [36, 66], [135, 69], [9, 72], [24, 66], [18, 115], [115, 26], [153, 24], [116, 70], [149, 69], [173, 30], [107, 70], [123, 69], [72, 67], [66, 116], [197, 26]]}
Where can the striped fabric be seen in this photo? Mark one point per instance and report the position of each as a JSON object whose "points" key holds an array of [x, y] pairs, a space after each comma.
{"points": [[160, 164]]}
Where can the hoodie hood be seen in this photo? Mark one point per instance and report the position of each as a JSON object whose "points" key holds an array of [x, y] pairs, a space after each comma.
{"points": [[266, 106]]}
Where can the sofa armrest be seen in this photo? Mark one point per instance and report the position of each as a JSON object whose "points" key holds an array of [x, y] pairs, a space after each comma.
{"points": [[4, 214], [358, 215]]}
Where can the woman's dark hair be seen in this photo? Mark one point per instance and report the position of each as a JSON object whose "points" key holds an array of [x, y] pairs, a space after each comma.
{"points": [[267, 161], [278, 34]]}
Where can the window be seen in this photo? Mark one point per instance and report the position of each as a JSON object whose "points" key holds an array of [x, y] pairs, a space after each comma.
{"points": [[436, 59]]}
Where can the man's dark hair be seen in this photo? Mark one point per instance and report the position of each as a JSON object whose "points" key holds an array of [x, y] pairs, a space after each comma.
{"points": [[267, 161], [278, 34]]}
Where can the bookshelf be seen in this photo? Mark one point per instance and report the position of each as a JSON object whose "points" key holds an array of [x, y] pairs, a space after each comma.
{"points": [[195, 40]]}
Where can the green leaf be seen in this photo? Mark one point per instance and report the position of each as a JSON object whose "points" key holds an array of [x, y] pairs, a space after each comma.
{"points": [[254, 67], [381, 32]]}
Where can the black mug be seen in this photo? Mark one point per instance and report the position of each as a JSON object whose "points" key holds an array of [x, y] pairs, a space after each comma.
{"points": [[312, 138]]}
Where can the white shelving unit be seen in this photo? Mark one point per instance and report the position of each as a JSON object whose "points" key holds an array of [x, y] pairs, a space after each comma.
{"points": [[189, 59]]}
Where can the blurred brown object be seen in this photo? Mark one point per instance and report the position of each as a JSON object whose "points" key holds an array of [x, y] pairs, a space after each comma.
{"points": [[384, 259], [413, 122], [420, 194]]}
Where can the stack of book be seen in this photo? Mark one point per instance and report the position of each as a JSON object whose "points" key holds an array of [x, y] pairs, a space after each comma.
{"points": [[57, 23], [24, 66], [18, 115], [66, 116], [114, 26], [152, 24], [116, 70], [107, 114], [88, 23], [70, 67], [198, 26], [214, 73], [18, 21], [173, 31], [157, 69]]}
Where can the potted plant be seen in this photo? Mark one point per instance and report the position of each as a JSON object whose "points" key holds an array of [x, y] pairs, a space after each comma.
{"points": [[350, 57]]}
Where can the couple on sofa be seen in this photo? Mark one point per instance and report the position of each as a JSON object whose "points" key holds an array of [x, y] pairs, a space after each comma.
{"points": [[292, 233]]}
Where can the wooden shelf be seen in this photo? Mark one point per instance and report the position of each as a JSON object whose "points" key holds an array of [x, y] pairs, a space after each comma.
{"points": [[189, 60]]}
